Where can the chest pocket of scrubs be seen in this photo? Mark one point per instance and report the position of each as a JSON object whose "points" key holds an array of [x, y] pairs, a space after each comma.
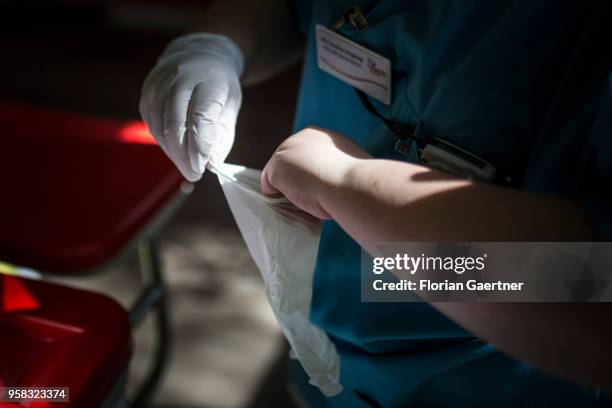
{"points": [[457, 75]]}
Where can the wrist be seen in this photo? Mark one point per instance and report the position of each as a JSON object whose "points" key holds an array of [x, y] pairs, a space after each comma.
{"points": [[342, 183]]}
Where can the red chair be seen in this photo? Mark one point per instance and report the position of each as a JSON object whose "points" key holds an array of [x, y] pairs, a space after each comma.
{"points": [[78, 192], [48, 342]]}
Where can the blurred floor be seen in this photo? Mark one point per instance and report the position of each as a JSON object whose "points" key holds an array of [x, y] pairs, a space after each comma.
{"points": [[226, 341], [227, 349]]}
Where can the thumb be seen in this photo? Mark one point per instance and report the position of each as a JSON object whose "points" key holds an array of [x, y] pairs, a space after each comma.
{"points": [[267, 188]]}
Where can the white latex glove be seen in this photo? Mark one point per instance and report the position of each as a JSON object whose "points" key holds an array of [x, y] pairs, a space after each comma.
{"points": [[191, 98]]}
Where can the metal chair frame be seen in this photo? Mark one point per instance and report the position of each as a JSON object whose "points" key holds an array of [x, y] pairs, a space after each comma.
{"points": [[152, 299]]}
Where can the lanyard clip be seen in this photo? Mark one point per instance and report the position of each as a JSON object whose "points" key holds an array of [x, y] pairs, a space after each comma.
{"points": [[405, 137], [355, 17], [402, 131]]}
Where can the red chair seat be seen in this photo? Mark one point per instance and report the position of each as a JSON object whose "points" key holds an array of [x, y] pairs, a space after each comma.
{"points": [[53, 336], [76, 189]]}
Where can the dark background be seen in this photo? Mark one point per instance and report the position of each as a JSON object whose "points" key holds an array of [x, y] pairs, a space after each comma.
{"points": [[91, 57]]}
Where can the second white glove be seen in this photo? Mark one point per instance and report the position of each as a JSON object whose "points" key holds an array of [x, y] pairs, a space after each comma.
{"points": [[190, 100]]}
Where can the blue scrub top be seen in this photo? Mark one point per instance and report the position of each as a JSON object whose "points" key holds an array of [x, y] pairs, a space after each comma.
{"points": [[521, 84]]}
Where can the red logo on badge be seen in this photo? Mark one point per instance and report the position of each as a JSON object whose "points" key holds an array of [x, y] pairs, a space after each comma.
{"points": [[374, 70]]}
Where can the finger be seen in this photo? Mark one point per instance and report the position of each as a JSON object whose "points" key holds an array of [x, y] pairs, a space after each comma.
{"points": [[318, 212], [266, 186], [208, 102], [175, 132], [226, 127], [152, 105]]}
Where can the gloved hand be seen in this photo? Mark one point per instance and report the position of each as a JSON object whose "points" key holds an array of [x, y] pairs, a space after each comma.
{"points": [[191, 98]]}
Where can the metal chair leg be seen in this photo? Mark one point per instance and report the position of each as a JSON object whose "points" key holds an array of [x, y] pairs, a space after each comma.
{"points": [[153, 297]]}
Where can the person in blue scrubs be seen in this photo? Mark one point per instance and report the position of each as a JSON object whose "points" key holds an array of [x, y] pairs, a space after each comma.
{"points": [[524, 85]]}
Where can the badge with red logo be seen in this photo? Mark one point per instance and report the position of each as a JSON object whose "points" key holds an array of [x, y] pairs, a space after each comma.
{"points": [[354, 64]]}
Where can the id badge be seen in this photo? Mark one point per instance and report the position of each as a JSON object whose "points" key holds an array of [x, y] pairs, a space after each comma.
{"points": [[354, 64]]}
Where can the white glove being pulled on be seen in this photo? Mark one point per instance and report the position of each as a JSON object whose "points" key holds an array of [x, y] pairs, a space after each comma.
{"points": [[191, 98], [283, 241]]}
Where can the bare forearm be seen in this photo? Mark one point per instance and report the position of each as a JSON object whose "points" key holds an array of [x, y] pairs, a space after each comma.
{"points": [[329, 176], [568, 340], [384, 200], [263, 30]]}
